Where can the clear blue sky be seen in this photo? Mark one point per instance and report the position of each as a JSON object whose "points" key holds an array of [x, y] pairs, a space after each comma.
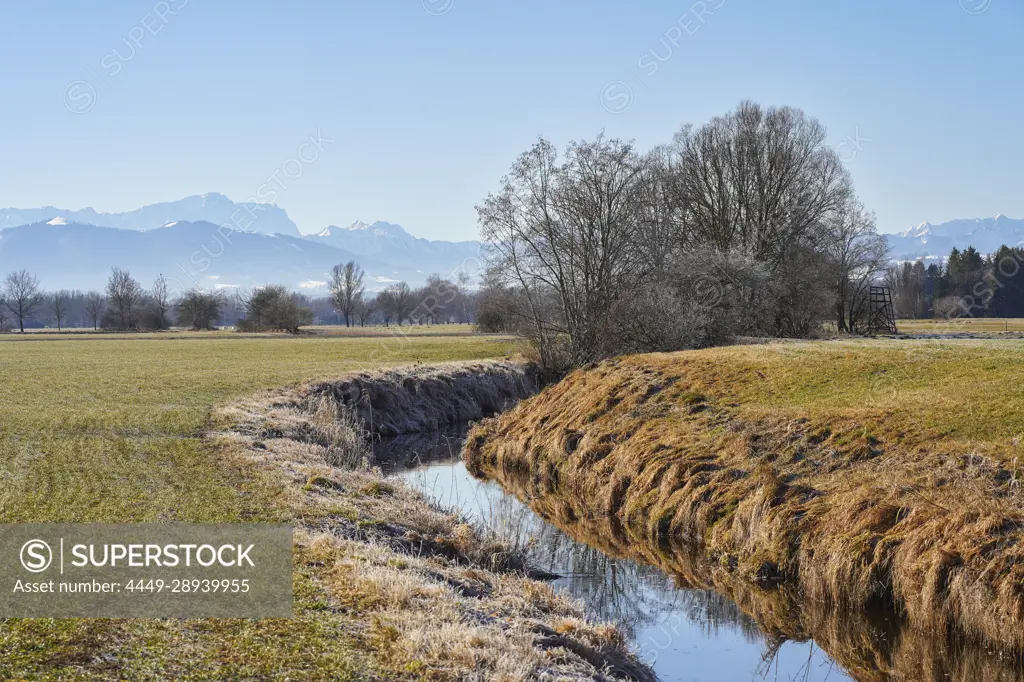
{"points": [[429, 108]]}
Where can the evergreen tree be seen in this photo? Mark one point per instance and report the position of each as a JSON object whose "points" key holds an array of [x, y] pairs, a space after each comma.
{"points": [[1006, 281]]}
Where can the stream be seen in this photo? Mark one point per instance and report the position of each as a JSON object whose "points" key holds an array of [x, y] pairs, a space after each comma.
{"points": [[683, 633]]}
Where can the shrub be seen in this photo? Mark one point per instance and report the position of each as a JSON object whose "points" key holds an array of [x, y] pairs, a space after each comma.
{"points": [[199, 309], [272, 308]]}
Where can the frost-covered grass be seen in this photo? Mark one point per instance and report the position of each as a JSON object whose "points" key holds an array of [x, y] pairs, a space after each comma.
{"points": [[427, 595]]}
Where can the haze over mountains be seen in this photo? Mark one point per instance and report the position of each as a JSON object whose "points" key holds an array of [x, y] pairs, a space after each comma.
{"points": [[212, 242], [212, 207], [936, 241]]}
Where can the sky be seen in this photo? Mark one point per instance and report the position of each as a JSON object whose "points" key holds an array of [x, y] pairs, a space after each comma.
{"points": [[410, 111]]}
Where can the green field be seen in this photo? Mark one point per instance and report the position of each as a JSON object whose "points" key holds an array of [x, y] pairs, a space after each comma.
{"points": [[324, 331], [109, 428], [966, 324]]}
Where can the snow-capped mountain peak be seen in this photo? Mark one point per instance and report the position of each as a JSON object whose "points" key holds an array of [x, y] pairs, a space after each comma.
{"points": [[366, 238], [380, 229], [984, 234], [388, 240], [77, 248], [211, 207], [919, 230]]}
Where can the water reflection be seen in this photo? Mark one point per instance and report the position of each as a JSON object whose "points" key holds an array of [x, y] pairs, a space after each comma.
{"points": [[690, 621], [685, 634]]}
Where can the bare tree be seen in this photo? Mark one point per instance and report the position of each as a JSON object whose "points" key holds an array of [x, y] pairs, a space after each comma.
{"points": [[125, 295], [437, 300], [95, 305], [346, 287], [909, 295], [734, 228], [566, 233], [859, 257], [199, 309], [160, 304], [760, 179], [386, 306], [59, 306], [364, 310], [22, 295], [400, 301]]}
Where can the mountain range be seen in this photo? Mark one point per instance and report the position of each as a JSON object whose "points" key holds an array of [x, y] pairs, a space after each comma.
{"points": [[212, 207], [210, 242], [927, 241]]}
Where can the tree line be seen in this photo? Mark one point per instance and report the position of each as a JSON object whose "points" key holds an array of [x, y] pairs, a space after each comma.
{"points": [[966, 284], [126, 305], [748, 224]]}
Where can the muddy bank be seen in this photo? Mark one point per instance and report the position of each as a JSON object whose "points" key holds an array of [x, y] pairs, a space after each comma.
{"points": [[816, 505], [427, 595]]}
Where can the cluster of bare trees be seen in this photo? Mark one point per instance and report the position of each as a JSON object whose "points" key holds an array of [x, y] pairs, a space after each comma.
{"points": [[126, 304], [22, 302], [747, 224], [439, 301]]}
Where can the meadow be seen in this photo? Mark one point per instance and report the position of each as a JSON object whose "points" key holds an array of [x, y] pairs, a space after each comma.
{"points": [[110, 428], [964, 324], [788, 442]]}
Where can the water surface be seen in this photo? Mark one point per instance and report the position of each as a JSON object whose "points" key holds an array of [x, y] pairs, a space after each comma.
{"points": [[684, 634]]}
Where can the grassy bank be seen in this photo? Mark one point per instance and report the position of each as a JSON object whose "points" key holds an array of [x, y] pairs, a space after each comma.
{"points": [[427, 399], [427, 595], [864, 474]]}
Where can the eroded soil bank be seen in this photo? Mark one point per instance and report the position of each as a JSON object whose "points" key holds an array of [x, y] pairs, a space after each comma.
{"points": [[772, 498], [420, 592], [426, 399]]}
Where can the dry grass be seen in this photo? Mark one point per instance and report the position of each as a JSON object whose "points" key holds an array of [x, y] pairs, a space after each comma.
{"points": [[425, 399], [430, 597], [870, 646], [966, 324], [864, 473]]}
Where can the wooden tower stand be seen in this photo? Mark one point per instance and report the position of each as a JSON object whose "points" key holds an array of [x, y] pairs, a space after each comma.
{"points": [[882, 314]]}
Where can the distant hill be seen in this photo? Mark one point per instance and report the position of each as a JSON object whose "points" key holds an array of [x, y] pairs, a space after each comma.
{"points": [[195, 240], [196, 254], [390, 241], [212, 208], [931, 241]]}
